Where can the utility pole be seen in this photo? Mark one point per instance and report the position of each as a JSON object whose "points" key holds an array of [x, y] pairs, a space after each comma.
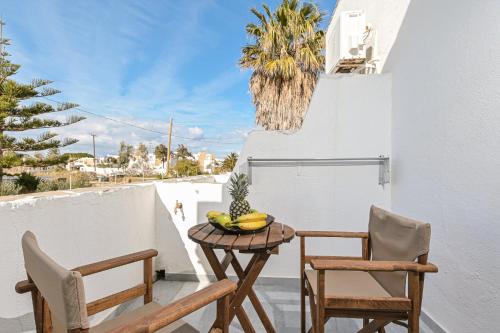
{"points": [[93, 144], [169, 151]]}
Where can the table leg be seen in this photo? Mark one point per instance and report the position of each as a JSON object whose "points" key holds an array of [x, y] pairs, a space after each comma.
{"points": [[251, 294], [257, 263], [219, 272]]}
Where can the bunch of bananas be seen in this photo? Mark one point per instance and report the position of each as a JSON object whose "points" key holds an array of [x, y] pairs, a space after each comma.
{"points": [[251, 221]]}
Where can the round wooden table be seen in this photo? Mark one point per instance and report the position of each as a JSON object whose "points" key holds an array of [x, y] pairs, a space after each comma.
{"points": [[262, 245]]}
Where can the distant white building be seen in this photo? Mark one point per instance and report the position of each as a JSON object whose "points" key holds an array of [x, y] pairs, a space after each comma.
{"points": [[206, 161]]}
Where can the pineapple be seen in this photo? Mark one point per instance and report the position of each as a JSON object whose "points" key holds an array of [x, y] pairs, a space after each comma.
{"points": [[238, 190]]}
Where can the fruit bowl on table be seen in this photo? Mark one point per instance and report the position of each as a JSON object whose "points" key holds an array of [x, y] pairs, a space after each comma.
{"points": [[236, 230]]}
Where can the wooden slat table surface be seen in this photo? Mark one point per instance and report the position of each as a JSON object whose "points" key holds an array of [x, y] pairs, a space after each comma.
{"points": [[208, 235]]}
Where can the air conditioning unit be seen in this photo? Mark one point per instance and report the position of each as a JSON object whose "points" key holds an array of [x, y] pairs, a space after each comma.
{"points": [[345, 46]]}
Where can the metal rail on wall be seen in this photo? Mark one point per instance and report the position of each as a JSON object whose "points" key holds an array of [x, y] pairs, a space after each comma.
{"points": [[382, 161]]}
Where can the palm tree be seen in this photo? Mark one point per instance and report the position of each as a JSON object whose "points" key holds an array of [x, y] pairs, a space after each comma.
{"points": [[230, 162], [286, 58], [161, 153]]}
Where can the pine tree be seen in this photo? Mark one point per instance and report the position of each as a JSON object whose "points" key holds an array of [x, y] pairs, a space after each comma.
{"points": [[17, 115]]}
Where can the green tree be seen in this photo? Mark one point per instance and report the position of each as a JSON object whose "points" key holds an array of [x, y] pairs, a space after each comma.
{"points": [[161, 153], [75, 156], [230, 162], [186, 167], [18, 115], [286, 58], [54, 157], [141, 152], [182, 152], [111, 160], [124, 155], [27, 183], [141, 157], [184, 164]]}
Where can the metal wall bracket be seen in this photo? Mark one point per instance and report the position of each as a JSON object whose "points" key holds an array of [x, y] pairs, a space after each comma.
{"points": [[382, 161]]}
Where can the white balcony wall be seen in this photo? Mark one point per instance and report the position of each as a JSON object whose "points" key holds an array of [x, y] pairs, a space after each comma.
{"points": [[77, 228], [88, 225], [349, 116], [385, 16], [177, 253], [446, 152]]}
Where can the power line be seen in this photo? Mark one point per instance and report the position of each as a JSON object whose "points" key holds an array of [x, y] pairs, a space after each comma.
{"points": [[144, 128]]}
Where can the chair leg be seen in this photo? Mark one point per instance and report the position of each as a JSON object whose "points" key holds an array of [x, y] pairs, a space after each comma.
{"points": [[321, 322], [312, 306], [414, 295], [302, 286], [413, 322], [302, 306], [223, 308], [366, 321], [321, 302]]}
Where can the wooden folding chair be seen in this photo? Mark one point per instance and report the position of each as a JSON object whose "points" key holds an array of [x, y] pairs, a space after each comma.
{"points": [[59, 297], [372, 286]]}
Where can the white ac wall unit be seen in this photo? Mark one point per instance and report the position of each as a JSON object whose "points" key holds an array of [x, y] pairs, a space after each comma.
{"points": [[345, 43]]}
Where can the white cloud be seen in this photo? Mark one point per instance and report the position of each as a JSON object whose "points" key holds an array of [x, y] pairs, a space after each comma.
{"points": [[128, 61], [195, 132]]}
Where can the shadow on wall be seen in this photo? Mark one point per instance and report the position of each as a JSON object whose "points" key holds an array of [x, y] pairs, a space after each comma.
{"points": [[172, 253]]}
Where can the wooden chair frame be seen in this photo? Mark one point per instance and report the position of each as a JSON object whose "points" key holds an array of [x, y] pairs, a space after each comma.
{"points": [[219, 291], [383, 310]]}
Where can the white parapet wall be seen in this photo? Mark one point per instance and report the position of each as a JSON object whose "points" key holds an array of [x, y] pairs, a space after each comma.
{"points": [[89, 225], [76, 228]]}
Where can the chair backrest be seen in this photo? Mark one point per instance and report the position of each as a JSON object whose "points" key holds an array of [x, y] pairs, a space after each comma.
{"points": [[61, 288], [395, 237]]}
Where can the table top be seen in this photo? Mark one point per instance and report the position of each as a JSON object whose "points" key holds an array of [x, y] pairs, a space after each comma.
{"points": [[274, 235]]}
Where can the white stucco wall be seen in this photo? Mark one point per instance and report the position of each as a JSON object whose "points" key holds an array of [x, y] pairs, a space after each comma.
{"points": [[384, 15], [77, 228], [88, 225], [446, 152], [177, 253], [349, 116]]}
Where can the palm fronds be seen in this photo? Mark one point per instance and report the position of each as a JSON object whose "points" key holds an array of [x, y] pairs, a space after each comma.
{"points": [[286, 58]]}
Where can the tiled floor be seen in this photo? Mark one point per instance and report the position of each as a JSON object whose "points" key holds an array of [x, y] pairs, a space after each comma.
{"points": [[281, 301]]}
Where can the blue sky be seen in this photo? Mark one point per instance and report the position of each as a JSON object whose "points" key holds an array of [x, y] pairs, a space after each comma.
{"points": [[141, 62]]}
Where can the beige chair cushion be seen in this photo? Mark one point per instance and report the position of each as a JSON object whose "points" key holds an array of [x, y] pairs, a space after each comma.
{"points": [[178, 327], [62, 289], [395, 237], [347, 283]]}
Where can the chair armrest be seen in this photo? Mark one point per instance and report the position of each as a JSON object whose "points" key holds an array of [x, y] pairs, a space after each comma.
{"points": [[180, 308], [365, 265], [26, 286], [115, 262], [338, 234]]}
